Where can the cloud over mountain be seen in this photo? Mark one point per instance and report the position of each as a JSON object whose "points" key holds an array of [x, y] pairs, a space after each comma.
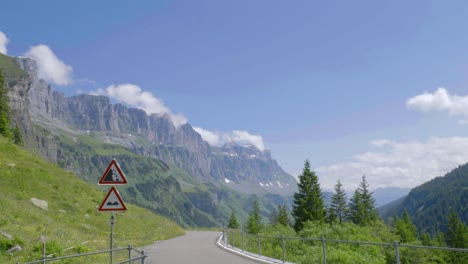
{"points": [[400, 164], [239, 136], [50, 67], [3, 43], [132, 95]]}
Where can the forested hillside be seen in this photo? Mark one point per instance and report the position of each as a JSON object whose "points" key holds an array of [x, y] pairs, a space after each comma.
{"points": [[431, 203]]}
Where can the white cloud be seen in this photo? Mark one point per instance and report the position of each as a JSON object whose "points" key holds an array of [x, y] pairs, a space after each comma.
{"points": [[440, 100], [50, 67], [3, 43], [243, 137], [238, 136], [134, 96], [212, 138], [401, 164]]}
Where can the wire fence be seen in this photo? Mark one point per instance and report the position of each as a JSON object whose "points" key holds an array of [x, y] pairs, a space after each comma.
{"points": [[315, 250], [121, 255]]}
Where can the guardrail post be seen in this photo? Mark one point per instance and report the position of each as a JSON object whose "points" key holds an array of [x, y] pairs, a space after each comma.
{"points": [[143, 256], [397, 252], [232, 238], [324, 250], [258, 240], [225, 237], [282, 246], [43, 252], [44, 248], [129, 252], [242, 235]]}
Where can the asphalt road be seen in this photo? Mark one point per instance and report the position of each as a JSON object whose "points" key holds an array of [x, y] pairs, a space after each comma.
{"points": [[195, 247]]}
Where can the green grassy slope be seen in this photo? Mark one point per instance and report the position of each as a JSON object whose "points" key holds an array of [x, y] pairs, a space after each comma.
{"points": [[9, 68], [163, 188], [71, 218]]}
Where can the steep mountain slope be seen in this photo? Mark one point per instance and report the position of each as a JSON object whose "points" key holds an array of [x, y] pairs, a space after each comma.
{"points": [[175, 173], [156, 136], [153, 184], [71, 217], [430, 204]]}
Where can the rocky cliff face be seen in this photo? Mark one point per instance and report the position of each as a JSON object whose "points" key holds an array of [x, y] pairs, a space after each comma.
{"points": [[20, 78], [242, 168]]}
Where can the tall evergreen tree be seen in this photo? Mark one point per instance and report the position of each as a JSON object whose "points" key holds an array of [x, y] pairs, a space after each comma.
{"points": [[283, 216], [338, 205], [456, 232], [233, 221], [4, 109], [274, 217], [362, 209], [456, 237], [254, 223], [308, 202], [405, 228]]}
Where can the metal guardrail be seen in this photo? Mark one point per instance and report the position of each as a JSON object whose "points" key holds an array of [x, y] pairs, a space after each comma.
{"points": [[141, 256], [324, 242]]}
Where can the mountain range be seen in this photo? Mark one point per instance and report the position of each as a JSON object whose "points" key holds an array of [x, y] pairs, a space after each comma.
{"points": [[175, 172], [172, 170]]}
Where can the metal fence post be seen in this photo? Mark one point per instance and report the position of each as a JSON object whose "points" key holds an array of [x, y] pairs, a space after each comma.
{"points": [[242, 235], [44, 251], [232, 238], [397, 252], [143, 256], [258, 240], [130, 252], [324, 250], [225, 237], [282, 245], [112, 237], [43, 239]]}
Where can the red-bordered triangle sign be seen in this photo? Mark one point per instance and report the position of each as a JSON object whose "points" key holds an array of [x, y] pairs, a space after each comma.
{"points": [[112, 202], [113, 175]]}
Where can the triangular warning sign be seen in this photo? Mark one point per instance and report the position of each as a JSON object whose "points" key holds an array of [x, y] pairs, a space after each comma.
{"points": [[112, 202], [113, 175]]}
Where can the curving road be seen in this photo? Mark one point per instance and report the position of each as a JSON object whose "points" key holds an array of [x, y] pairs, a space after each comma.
{"points": [[195, 247]]}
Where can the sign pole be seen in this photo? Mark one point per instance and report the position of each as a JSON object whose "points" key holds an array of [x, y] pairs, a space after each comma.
{"points": [[111, 236], [113, 202]]}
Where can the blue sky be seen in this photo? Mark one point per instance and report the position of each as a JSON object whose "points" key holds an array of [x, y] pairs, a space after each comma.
{"points": [[353, 86]]}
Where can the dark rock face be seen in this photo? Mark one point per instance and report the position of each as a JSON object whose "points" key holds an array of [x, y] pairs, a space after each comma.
{"points": [[21, 89], [244, 168]]}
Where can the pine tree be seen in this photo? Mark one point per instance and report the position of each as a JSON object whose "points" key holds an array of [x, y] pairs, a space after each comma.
{"points": [[355, 208], [4, 109], [406, 229], [456, 232], [233, 221], [308, 202], [338, 205], [274, 217], [362, 209], [456, 237], [283, 216], [426, 239], [254, 223]]}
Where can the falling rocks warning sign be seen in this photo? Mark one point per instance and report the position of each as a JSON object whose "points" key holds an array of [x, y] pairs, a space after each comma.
{"points": [[113, 175]]}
